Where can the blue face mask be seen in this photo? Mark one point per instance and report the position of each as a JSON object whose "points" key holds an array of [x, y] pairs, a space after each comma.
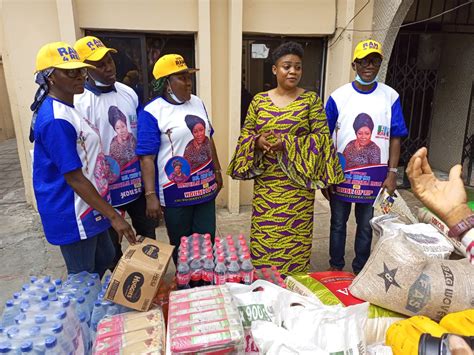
{"points": [[362, 82]]}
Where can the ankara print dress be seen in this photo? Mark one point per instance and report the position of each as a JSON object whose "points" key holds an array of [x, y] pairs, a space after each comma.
{"points": [[285, 182]]}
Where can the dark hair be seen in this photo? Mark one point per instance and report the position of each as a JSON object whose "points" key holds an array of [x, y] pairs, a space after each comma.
{"points": [[114, 115], [287, 48], [176, 162], [192, 120], [363, 120]]}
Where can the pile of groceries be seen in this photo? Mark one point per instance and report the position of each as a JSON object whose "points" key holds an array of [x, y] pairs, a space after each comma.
{"points": [[414, 294]]}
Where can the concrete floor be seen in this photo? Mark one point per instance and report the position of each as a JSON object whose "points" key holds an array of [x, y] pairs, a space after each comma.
{"points": [[24, 251]]}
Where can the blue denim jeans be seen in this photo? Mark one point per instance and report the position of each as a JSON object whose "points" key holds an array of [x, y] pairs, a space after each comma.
{"points": [[340, 211], [94, 255]]}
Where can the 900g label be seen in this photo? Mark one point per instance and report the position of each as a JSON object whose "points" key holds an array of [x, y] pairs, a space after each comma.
{"points": [[253, 312]]}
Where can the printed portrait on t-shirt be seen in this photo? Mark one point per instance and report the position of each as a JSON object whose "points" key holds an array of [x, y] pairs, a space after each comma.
{"points": [[198, 149], [123, 144], [101, 171], [361, 151], [177, 169]]}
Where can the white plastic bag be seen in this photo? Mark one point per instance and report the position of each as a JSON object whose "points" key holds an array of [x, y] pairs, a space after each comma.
{"points": [[257, 302], [302, 326]]}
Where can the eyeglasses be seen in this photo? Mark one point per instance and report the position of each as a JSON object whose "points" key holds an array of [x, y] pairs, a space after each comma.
{"points": [[74, 73], [364, 62]]}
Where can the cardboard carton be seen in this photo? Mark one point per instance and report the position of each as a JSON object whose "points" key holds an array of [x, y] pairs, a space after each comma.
{"points": [[137, 276]]}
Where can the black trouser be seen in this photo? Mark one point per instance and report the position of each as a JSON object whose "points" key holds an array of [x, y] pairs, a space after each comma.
{"points": [[184, 221], [141, 223]]}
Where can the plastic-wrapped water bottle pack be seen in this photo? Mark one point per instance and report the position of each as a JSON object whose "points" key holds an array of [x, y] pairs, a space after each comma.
{"points": [[55, 317]]}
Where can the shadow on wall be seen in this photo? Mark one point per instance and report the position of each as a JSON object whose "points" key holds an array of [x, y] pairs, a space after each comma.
{"points": [[6, 121]]}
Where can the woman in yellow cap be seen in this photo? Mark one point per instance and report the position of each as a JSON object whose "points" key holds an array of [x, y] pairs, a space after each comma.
{"points": [[69, 170], [165, 134]]}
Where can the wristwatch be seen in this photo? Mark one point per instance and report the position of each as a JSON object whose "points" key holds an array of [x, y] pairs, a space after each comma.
{"points": [[461, 227], [393, 170]]}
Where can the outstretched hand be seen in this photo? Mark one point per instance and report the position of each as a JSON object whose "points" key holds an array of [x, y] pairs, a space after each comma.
{"points": [[441, 197]]}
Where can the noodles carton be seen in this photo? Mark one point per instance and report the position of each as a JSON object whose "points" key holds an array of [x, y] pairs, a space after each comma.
{"points": [[137, 276]]}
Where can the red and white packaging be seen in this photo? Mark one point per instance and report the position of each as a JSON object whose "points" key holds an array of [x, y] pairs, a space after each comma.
{"points": [[197, 323]]}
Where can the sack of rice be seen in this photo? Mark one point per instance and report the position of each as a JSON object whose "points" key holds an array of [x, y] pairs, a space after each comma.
{"points": [[423, 235], [400, 277]]}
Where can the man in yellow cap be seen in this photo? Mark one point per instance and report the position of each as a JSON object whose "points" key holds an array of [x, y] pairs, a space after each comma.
{"points": [[366, 121], [113, 107]]}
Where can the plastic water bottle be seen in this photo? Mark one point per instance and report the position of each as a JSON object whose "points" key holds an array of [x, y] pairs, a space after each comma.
{"points": [[82, 307], [232, 251], [51, 345], [198, 237], [111, 308], [220, 271], [26, 347], [6, 347], [196, 271], [93, 287], [244, 251], [85, 332], [9, 313], [65, 343], [208, 270], [183, 273], [247, 270], [207, 238], [206, 247], [89, 298], [183, 244], [233, 271], [97, 314]]}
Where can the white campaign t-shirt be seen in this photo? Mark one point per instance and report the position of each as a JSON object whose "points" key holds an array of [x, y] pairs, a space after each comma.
{"points": [[104, 109], [361, 124], [66, 141], [179, 134]]}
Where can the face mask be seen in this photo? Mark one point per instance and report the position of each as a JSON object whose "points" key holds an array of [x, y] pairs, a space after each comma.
{"points": [[172, 95], [97, 82], [362, 82]]}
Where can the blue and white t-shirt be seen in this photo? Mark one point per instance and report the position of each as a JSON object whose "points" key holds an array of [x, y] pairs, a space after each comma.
{"points": [[65, 141], [361, 124], [115, 115], [180, 136]]}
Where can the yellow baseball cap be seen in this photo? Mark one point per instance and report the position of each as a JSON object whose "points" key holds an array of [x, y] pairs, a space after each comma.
{"points": [[170, 64], [364, 48], [58, 55], [91, 48]]}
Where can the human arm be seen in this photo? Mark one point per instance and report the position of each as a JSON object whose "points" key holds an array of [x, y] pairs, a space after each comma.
{"points": [[247, 162], [217, 166], [390, 182], [447, 199], [148, 145], [147, 165], [85, 190], [309, 157]]}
